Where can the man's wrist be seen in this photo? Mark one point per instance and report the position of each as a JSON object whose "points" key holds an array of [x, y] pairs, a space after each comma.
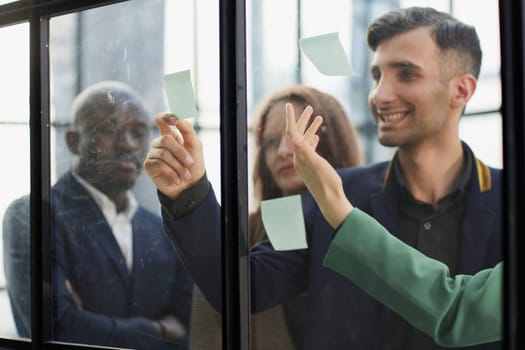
{"points": [[188, 200], [334, 206]]}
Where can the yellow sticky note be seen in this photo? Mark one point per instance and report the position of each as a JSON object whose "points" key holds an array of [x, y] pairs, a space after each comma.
{"points": [[284, 223], [179, 92], [327, 54]]}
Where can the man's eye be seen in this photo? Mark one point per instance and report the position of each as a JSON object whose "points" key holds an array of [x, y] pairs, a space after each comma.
{"points": [[140, 133], [103, 130], [376, 77], [406, 75], [375, 74]]}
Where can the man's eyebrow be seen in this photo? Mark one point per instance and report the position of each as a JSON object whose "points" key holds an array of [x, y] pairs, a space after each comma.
{"points": [[397, 64], [404, 64]]}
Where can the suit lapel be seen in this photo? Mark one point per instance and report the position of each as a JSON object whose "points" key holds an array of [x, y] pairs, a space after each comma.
{"points": [[140, 247], [478, 219], [144, 243], [88, 221], [384, 204], [478, 222]]}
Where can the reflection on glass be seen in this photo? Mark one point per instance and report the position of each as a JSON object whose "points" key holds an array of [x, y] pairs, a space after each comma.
{"points": [[441, 215], [15, 283], [117, 278], [283, 326], [3, 2]]}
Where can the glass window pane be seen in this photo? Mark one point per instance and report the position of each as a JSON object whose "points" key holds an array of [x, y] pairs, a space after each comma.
{"points": [[117, 278], [3, 2], [15, 278], [474, 130], [295, 298], [486, 21]]}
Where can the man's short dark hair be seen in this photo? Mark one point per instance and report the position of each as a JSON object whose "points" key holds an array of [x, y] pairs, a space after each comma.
{"points": [[450, 34]]}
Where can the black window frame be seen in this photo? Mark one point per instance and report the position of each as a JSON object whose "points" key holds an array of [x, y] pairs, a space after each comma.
{"points": [[512, 36], [233, 130]]}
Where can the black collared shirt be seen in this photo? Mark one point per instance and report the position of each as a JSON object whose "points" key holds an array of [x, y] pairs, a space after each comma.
{"points": [[434, 230]]}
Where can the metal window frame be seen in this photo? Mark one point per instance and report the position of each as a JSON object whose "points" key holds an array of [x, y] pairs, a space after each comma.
{"points": [[234, 177], [512, 29]]}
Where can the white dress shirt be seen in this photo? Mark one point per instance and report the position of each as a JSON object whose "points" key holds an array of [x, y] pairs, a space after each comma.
{"points": [[120, 223]]}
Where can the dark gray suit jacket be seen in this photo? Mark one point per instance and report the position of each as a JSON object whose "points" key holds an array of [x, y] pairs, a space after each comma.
{"points": [[118, 305]]}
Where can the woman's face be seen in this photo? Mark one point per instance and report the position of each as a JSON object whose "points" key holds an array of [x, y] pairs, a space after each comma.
{"points": [[277, 150]]}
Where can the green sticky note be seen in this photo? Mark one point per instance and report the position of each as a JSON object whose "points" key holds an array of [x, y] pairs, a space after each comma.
{"points": [[179, 92], [327, 54], [284, 223]]}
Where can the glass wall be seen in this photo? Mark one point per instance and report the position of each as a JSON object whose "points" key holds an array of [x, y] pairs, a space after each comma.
{"points": [[14, 128], [313, 299], [135, 43], [108, 285], [106, 85], [277, 28]]}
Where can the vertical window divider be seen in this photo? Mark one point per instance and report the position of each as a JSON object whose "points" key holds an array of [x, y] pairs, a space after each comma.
{"points": [[37, 159], [513, 110], [234, 187]]}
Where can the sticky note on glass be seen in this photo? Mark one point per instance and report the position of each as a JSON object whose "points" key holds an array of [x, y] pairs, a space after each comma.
{"points": [[327, 54], [284, 223], [179, 92]]}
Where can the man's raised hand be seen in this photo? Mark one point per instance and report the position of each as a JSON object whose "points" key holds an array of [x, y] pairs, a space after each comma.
{"points": [[174, 161], [319, 176]]}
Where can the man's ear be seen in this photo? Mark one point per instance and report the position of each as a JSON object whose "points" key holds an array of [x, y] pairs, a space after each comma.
{"points": [[464, 88], [72, 140]]}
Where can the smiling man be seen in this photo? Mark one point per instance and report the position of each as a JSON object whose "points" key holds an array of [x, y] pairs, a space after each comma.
{"points": [[434, 194]]}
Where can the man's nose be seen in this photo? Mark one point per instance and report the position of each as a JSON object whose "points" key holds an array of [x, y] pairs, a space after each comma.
{"points": [[127, 139], [383, 93]]}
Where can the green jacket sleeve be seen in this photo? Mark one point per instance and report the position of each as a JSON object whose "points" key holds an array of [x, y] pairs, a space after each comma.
{"points": [[460, 311]]}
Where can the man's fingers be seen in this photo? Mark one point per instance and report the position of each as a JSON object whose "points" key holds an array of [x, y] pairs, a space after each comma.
{"points": [[296, 130], [314, 141], [304, 154], [304, 118], [311, 133], [69, 287], [164, 122], [187, 132], [172, 328], [173, 154], [291, 128], [183, 133], [74, 295], [190, 140]]}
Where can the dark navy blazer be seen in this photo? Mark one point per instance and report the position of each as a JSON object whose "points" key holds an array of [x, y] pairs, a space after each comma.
{"points": [[117, 306], [340, 315]]}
